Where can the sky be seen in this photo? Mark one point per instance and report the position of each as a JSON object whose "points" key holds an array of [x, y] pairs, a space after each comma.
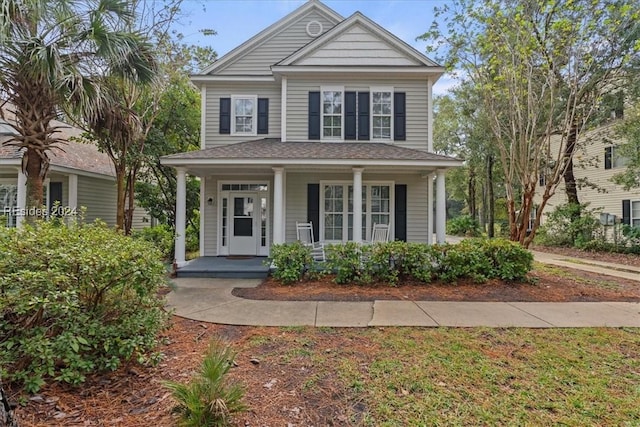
{"points": [[236, 21]]}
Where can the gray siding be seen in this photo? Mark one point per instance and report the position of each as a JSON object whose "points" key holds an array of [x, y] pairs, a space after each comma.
{"points": [[417, 96], [356, 47], [276, 48], [262, 90], [589, 164], [98, 196]]}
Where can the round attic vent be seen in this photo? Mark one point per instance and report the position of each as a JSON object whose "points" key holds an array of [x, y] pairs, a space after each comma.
{"points": [[314, 28]]}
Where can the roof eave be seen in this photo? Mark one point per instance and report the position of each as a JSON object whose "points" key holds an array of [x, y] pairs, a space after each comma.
{"points": [[435, 163]]}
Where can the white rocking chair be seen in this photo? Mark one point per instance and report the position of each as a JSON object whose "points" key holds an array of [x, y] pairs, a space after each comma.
{"points": [[304, 232]]}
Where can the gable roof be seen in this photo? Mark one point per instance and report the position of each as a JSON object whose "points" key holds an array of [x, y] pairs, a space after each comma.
{"points": [[82, 157], [270, 31], [375, 30]]}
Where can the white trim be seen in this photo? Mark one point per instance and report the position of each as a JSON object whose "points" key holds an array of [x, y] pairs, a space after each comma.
{"points": [[221, 194], [429, 116], [195, 79], [21, 196], [430, 179], [324, 89], [312, 162], [322, 69], [283, 109], [203, 206], [357, 204], [203, 117], [311, 33], [345, 208], [382, 89], [631, 217], [254, 115]]}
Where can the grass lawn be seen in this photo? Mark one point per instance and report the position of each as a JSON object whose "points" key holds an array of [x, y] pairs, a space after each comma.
{"points": [[428, 377]]}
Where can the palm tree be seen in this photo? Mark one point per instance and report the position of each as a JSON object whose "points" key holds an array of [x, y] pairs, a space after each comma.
{"points": [[51, 54]]}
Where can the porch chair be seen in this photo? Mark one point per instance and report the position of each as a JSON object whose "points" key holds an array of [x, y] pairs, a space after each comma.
{"points": [[380, 233], [304, 232]]}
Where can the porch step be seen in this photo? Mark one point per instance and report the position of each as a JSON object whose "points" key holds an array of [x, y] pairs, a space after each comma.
{"points": [[226, 267]]}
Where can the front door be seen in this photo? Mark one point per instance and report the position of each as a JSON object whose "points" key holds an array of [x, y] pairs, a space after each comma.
{"points": [[244, 231]]}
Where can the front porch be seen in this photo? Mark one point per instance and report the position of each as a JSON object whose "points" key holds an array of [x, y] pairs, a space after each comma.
{"points": [[229, 267], [252, 194]]}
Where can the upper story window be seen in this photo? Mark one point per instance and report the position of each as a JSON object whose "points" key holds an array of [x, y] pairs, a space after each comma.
{"points": [[378, 114], [244, 110], [381, 113], [613, 159], [332, 113]]}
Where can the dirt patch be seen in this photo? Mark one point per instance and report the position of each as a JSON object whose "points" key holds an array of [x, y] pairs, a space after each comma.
{"points": [[552, 284], [616, 258]]}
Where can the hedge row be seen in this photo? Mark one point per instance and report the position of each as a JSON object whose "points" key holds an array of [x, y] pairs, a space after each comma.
{"points": [[392, 262]]}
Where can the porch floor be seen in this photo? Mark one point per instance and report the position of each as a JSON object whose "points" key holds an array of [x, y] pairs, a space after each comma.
{"points": [[232, 267]]}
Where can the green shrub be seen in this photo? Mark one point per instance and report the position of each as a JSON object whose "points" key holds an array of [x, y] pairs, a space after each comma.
{"points": [[349, 262], [510, 261], [393, 261], [208, 400], [569, 225], [463, 225], [463, 260], [161, 236], [192, 233], [75, 299], [291, 261]]}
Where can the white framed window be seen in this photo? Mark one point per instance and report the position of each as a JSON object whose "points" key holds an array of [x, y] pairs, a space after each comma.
{"points": [[381, 113], [635, 213], [244, 112], [336, 204], [332, 108]]}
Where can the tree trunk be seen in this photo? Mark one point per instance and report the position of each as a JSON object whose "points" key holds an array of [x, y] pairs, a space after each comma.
{"points": [[471, 196], [35, 181], [129, 203], [120, 196], [491, 203], [571, 189]]}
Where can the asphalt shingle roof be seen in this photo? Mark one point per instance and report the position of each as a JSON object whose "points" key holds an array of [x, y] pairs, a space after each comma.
{"points": [[76, 155], [273, 148]]}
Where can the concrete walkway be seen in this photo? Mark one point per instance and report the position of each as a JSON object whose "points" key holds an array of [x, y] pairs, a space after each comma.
{"points": [[210, 300]]}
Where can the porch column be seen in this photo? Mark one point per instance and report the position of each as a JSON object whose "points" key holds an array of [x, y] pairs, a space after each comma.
{"points": [[430, 178], [181, 215], [73, 192], [357, 205], [278, 205], [441, 207], [21, 197]]}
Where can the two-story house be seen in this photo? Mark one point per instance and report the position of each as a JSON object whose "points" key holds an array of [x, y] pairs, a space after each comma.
{"points": [[597, 162], [316, 118]]}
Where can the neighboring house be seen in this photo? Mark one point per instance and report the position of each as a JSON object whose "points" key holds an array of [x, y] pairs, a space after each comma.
{"points": [[79, 177], [595, 166], [316, 118]]}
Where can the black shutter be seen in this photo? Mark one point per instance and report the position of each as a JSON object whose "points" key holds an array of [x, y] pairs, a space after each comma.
{"points": [[399, 116], [626, 212], [363, 116], [314, 115], [313, 208], [225, 116], [55, 194], [401, 212], [263, 116], [350, 116], [608, 154]]}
